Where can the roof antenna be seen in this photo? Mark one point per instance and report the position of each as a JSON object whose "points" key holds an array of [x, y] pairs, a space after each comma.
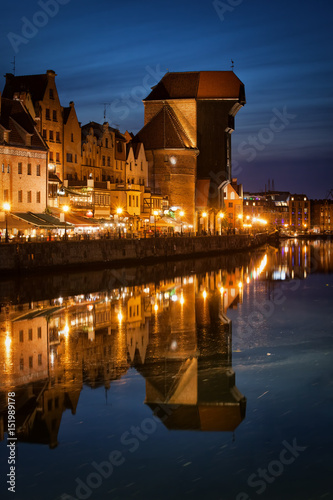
{"points": [[106, 105], [232, 65], [13, 63]]}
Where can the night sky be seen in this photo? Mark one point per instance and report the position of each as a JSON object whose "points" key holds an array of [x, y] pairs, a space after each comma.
{"points": [[113, 52]]}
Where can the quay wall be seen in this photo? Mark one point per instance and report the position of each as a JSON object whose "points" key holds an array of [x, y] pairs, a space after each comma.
{"points": [[20, 257]]}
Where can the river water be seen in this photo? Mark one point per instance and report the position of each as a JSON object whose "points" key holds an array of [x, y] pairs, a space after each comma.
{"points": [[207, 379]]}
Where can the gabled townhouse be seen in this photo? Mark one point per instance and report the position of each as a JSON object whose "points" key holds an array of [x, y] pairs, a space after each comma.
{"points": [[23, 160]]}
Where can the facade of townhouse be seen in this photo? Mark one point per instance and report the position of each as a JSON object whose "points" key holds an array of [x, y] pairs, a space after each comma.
{"points": [[23, 161]]}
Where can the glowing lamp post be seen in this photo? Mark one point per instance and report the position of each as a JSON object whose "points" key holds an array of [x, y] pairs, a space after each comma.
{"points": [[155, 217], [119, 212], [181, 214], [65, 209], [6, 207], [204, 215], [221, 216]]}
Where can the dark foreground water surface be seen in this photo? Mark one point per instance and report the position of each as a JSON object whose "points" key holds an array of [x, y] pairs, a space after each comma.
{"points": [[208, 379]]}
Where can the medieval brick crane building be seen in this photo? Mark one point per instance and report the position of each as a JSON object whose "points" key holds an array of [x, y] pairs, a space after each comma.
{"points": [[189, 118]]}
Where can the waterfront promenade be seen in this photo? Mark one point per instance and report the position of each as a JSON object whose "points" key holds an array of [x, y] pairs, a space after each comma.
{"points": [[25, 257]]}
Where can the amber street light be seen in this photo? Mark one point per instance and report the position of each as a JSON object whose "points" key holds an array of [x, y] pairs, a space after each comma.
{"points": [[221, 216], [155, 217], [65, 209], [119, 211], [181, 214], [6, 208]]}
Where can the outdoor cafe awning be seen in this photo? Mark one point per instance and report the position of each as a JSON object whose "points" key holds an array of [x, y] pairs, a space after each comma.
{"points": [[43, 221]]}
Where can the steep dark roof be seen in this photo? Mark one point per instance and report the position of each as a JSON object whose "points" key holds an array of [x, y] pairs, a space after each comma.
{"points": [[14, 117], [34, 84], [98, 130], [163, 131], [199, 85]]}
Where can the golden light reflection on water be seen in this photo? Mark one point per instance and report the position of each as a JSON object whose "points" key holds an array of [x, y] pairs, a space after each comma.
{"points": [[56, 346]]}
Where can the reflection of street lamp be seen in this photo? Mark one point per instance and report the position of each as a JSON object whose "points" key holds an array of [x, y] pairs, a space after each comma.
{"points": [[6, 207], [181, 214], [155, 217], [65, 209]]}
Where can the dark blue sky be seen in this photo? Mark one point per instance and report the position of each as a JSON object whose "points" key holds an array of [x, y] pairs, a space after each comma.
{"points": [[113, 52]]}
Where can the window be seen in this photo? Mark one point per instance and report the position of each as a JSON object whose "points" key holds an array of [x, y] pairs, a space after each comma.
{"points": [[141, 165], [8, 169], [21, 335], [103, 161], [75, 158], [51, 156], [21, 364], [130, 201], [130, 165], [29, 196], [231, 204], [47, 114], [29, 169], [108, 161], [69, 157], [51, 135], [3, 168], [72, 137], [39, 359], [39, 332], [44, 134], [51, 95], [137, 201], [54, 115], [20, 196], [38, 197], [19, 168], [5, 195], [58, 157], [58, 136], [30, 362], [38, 170], [106, 143], [30, 334]]}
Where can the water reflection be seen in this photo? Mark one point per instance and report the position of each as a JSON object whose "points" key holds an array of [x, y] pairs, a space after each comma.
{"points": [[175, 332]]}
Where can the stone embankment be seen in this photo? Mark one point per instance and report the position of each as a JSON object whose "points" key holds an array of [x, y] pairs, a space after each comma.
{"points": [[21, 257]]}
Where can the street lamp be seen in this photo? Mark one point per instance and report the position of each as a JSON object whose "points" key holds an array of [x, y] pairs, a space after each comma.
{"points": [[155, 216], [221, 216], [6, 207], [181, 214], [204, 215], [119, 211], [65, 209]]}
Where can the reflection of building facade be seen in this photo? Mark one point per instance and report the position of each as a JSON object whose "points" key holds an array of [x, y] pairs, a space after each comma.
{"points": [[171, 332]]}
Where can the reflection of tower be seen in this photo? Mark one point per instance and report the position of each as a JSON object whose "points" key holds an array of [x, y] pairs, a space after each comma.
{"points": [[194, 388]]}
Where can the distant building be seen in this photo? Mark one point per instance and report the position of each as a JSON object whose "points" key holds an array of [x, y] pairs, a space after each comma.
{"points": [[322, 215], [280, 209]]}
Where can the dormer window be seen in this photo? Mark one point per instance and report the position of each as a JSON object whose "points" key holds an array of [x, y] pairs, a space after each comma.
{"points": [[51, 94]]}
